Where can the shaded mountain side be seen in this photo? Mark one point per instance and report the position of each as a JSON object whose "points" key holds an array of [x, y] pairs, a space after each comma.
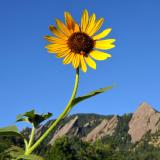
{"points": [[105, 128], [83, 124], [91, 127], [122, 134]]}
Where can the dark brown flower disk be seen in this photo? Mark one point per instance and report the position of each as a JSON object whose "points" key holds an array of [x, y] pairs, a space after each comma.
{"points": [[80, 42]]}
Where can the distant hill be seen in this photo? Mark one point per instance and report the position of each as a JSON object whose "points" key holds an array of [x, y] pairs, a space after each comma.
{"points": [[130, 133]]}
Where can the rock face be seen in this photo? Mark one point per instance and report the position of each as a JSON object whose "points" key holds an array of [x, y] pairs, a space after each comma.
{"points": [[90, 127], [38, 132], [106, 127], [144, 120], [64, 130]]}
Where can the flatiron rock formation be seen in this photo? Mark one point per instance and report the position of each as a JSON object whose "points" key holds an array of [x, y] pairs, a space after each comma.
{"points": [[64, 130], [106, 127], [144, 120]]}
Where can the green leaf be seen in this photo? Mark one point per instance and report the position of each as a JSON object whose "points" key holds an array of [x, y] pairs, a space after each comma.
{"points": [[33, 118], [89, 95], [14, 152], [17, 153], [30, 157], [10, 131]]}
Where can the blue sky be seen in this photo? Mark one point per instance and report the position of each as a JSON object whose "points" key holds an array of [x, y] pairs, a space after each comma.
{"points": [[32, 78]]}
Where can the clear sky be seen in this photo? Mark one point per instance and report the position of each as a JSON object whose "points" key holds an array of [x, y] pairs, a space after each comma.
{"points": [[30, 77]]}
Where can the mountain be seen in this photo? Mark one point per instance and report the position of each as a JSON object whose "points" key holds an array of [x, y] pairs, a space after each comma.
{"points": [[91, 127], [129, 135], [145, 119]]}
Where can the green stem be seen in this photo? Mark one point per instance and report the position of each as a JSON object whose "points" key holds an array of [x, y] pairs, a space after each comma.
{"points": [[31, 137], [26, 144], [62, 115]]}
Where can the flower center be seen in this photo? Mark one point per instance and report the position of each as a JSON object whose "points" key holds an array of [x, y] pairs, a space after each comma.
{"points": [[81, 43]]}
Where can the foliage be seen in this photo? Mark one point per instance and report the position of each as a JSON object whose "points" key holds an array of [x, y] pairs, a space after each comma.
{"points": [[33, 118], [89, 95], [10, 131], [13, 151], [66, 148], [115, 147]]}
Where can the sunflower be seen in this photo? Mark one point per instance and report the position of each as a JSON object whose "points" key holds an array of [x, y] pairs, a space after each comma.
{"points": [[78, 44]]}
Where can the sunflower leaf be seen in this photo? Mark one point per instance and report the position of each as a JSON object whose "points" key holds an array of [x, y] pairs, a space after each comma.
{"points": [[33, 118], [10, 131], [17, 153], [30, 157], [13, 152], [89, 95]]}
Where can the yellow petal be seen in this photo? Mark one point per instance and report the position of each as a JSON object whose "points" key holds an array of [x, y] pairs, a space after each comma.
{"points": [[55, 40], [84, 20], [91, 24], [83, 64], [97, 26], [102, 34], [62, 27], [63, 54], [69, 20], [76, 28], [76, 60], [58, 33], [105, 44], [51, 51], [68, 58], [56, 48], [98, 55], [90, 62]]}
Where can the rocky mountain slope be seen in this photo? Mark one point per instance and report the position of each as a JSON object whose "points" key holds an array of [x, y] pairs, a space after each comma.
{"points": [[134, 136], [91, 127], [145, 119]]}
